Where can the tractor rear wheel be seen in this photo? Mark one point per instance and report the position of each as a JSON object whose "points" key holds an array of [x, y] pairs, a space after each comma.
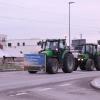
{"points": [[68, 63], [90, 65], [52, 66], [97, 64]]}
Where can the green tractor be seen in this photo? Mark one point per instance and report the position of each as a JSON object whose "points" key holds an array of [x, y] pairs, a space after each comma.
{"points": [[89, 57], [57, 55]]}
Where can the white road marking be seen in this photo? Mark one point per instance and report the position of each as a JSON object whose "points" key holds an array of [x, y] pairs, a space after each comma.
{"points": [[44, 89], [65, 84], [18, 94], [22, 93]]}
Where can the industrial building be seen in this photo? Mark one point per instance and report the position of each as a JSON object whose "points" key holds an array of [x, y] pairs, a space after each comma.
{"points": [[77, 42]]}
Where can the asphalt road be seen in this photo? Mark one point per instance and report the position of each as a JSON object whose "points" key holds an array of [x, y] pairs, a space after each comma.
{"points": [[71, 86]]}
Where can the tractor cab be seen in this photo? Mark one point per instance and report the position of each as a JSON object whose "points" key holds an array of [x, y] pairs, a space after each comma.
{"points": [[55, 45], [89, 49]]}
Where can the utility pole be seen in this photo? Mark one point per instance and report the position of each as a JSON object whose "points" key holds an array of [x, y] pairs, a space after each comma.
{"points": [[69, 24]]}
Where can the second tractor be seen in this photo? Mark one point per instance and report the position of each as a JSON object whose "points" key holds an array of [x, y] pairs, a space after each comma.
{"points": [[89, 57]]}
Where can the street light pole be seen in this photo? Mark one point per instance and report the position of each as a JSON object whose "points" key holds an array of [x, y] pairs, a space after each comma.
{"points": [[69, 23], [81, 36]]}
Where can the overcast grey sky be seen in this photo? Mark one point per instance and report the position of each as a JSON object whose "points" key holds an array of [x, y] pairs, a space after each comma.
{"points": [[49, 19]]}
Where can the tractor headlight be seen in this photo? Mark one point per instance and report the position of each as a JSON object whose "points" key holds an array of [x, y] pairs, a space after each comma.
{"points": [[78, 59], [81, 59], [56, 49]]}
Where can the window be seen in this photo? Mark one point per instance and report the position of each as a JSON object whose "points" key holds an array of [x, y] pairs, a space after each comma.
{"points": [[9, 44], [61, 45], [18, 44], [21, 52], [94, 49], [3, 40], [51, 45], [23, 43]]}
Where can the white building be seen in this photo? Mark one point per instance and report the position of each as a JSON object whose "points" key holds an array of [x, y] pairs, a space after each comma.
{"points": [[23, 45], [18, 47]]}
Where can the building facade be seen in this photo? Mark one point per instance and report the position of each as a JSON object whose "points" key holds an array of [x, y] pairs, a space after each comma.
{"points": [[77, 42], [23, 45]]}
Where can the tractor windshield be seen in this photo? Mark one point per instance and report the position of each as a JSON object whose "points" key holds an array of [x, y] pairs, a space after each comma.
{"points": [[83, 49], [53, 45], [91, 49], [87, 49]]}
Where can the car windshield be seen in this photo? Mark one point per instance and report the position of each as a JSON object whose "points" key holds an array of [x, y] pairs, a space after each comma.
{"points": [[51, 45]]}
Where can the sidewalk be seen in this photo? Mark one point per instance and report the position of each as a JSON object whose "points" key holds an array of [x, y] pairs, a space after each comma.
{"points": [[96, 83]]}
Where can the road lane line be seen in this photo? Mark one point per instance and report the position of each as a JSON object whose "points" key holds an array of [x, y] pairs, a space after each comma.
{"points": [[22, 93], [65, 84], [44, 89], [18, 94]]}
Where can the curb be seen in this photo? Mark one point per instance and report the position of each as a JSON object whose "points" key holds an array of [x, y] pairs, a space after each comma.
{"points": [[9, 70], [95, 83]]}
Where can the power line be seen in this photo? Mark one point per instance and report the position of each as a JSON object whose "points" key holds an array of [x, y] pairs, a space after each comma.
{"points": [[30, 20], [4, 3]]}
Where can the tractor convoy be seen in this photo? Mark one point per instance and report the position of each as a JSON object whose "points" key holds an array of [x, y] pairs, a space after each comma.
{"points": [[55, 54]]}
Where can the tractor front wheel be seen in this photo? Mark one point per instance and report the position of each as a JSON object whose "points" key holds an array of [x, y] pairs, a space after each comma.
{"points": [[68, 63], [90, 65], [52, 66], [82, 66]]}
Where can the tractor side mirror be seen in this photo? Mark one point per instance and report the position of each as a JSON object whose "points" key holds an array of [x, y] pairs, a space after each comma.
{"points": [[40, 43]]}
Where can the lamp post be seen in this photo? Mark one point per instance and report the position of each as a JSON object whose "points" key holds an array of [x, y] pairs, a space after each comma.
{"points": [[69, 23], [81, 36]]}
